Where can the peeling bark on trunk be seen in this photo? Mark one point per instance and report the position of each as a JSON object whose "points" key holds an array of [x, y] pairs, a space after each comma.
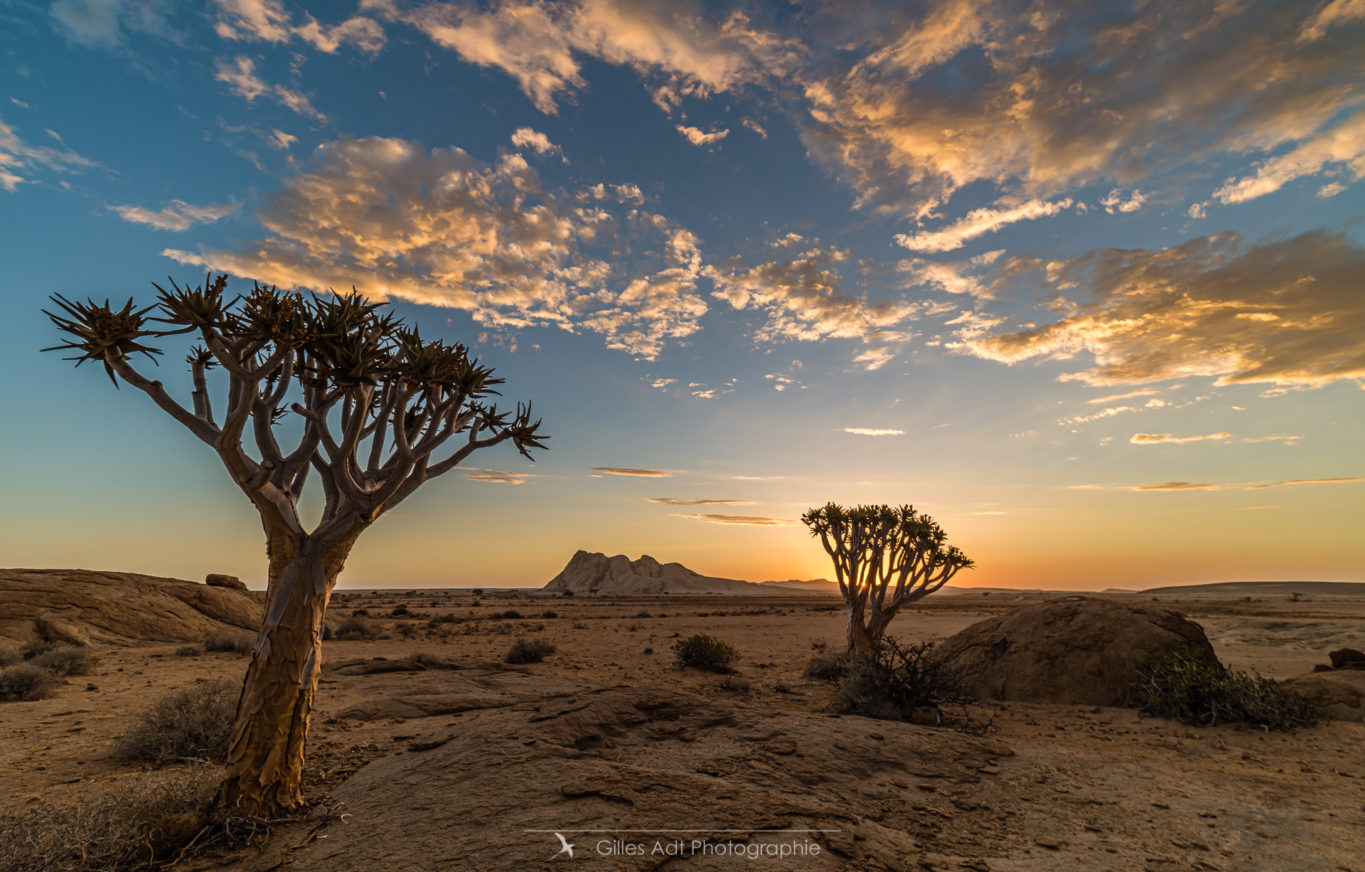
{"points": [[264, 773]]}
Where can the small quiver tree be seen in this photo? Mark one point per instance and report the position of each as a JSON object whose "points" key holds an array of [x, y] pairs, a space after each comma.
{"points": [[884, 558], [367, 405]]}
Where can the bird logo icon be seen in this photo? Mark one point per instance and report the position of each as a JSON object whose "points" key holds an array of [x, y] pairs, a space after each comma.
{"points": [[566, 846]]}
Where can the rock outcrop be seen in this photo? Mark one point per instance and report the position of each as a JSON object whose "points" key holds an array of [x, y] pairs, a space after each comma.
{"points": [[79, 606], [216, 579], [1077, 650], [596, 574], [1340, 693]]}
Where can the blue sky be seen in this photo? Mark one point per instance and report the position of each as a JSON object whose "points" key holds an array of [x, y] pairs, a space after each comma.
{"points": [[1082, 281]]}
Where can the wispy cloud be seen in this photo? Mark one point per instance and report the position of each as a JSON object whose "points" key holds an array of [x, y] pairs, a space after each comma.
{"points": [[874, 431], [1207, 486], [240, 76], [267, 21], [635, 473], [176, 215], [669, 501], [740, 520], [1342, 145], [1168, 439], [1287, 312], [20, 161], [539, 45], [499, 476], [979, 222]]}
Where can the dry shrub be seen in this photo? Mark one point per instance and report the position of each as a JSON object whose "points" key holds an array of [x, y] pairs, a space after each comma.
{"points": [[903, 683], [1178, 685], [194, 723], [25, 682], [707, 653], [356, 627], [189, 651], [827, 667], [9, 655], [530, 651], [237, 643], [143, 822], [66, 660], [510, 614]]}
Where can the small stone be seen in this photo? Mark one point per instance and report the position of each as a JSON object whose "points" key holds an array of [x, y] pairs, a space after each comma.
{"points": [[1045, 842]]}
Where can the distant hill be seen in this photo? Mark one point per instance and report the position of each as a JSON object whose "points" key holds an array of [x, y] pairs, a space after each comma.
{"points": [[1265, 588], [595, 574]]}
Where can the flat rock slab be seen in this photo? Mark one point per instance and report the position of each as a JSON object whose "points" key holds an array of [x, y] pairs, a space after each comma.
{"points": [[490, 791], [1340, 692]]}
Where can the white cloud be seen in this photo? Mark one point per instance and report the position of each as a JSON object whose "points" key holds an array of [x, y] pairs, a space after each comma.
{"points": [[699, 137], [1113, 202], [874, 431], [525, 137], [176, 215], [753, 125], [979, 222]]}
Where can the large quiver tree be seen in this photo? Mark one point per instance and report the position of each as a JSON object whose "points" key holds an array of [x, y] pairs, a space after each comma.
{"points": [[367, 405], [884, 559]]}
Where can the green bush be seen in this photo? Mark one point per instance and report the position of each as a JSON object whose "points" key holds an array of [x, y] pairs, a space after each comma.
{"points": [[903, 683], [530, 651], [25, 683], [1178, 685], [705, 652], [194, 723], [66, 660]]}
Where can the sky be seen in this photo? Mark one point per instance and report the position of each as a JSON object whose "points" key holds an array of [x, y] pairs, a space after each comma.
{"points": [[1085, 282]]}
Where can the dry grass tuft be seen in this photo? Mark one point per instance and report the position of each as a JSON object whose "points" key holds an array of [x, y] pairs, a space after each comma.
{"points": [[530, 651], [236, 643], [144, 822]]}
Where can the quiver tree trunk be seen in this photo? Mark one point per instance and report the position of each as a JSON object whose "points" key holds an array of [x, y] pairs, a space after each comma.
{"points": [[379, 412], [265, 757]]}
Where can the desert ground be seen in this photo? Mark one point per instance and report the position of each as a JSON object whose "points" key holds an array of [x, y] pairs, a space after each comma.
{"points": [[461, 761]]}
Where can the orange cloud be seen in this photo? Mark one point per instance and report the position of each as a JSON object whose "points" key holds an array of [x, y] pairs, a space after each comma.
{"points": [[627, 471], [740, 520], [1283, 312]]}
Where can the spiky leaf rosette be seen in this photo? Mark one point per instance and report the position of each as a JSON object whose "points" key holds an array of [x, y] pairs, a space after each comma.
{"points": [[99, 332]]}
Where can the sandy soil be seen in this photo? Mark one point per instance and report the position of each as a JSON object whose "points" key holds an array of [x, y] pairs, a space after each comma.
{"points": [[1058, 788]]}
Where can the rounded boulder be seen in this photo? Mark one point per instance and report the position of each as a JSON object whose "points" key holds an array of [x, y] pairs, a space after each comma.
{"points": [[1078, 650]]}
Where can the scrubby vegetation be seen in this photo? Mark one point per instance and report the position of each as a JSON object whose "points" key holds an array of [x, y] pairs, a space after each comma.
{"points": [[25, 682], [530, 651], [356, 627], [66, 660], [1180, 686], [194, 723], [145, 822], [827, 667], [236, 643], [903, 683], [707, 653]]}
